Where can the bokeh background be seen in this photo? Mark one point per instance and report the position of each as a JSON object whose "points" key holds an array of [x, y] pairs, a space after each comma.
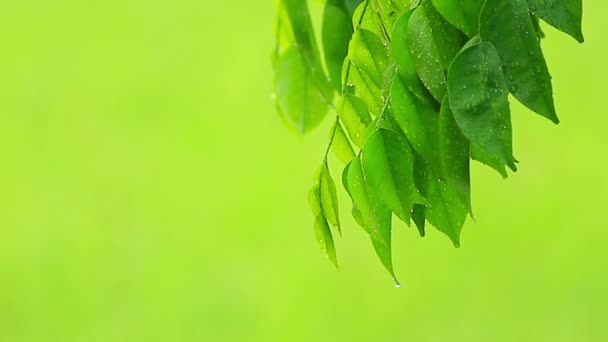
{"points": [[149, 192]]}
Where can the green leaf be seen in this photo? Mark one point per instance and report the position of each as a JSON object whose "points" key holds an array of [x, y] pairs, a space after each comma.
{"points": [[508, 26], [354, 113], [321, 228], [302, 90], [462, 14], [369, 55], [340, 145], [299, 100], [445, 209], [418, 119], [454, 155], [325, 239], [387, 7], [337, 32], [388, 166], [373, 216], [368, 60], [400, 46], [564, 15], [478, 97], [419, 218], [433, 45], [477, 153], [329, 198]]}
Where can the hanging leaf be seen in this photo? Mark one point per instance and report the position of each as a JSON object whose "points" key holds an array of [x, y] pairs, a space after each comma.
{"points": [[371, 214], [479, 100], [340, 144], [418, 119], [462, 14], [433, 45], [337, 32], [388, 166], [302, 91], [354, 113], [564, 15], [507, 25], [417, 101], [321, 228], [454, 150]]}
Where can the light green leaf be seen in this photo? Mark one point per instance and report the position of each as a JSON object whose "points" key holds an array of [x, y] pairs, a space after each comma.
{"points": [[418, 119], [370, 213], [507, 25], [454, 155], [564, 15], [329, 198], [321, 228], [341, 146], [389, 171], [368, 54], [479, 100], [400, 46], [302, 90], [462, 14], [387, 7], [433, 45], [354, 113], [325, 239], [299, 100]]}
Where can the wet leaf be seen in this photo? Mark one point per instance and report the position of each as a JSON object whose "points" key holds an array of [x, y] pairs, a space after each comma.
{"points": [[337, 32], [321, 228], [433, 45], [564, 15], [478, 98], [507, 25], [462, 14], [454, 156], [388, 166], [341, 146], [373, 216]]}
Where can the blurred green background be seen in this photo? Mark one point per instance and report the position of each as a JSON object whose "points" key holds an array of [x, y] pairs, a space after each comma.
{"points": [[149, 192]]}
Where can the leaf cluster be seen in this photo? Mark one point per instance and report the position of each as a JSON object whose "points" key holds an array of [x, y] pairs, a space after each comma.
{"points": [[419, 88]]}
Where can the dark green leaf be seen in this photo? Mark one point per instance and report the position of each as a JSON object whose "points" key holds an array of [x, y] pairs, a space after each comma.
{"points": [[508, 26], [445, 209], [477, 153], [454, 155], [337, 32], [419, 218], [478, 97], [462, 14], [564, 15], [370, 213], [418, 119], [389, 167], [433, 44]]}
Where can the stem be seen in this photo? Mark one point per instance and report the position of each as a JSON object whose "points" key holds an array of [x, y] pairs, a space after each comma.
{"points": [[331, 138]]}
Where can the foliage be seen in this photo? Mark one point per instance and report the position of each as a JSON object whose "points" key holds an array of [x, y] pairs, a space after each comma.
{"points": [[419, 88]]}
